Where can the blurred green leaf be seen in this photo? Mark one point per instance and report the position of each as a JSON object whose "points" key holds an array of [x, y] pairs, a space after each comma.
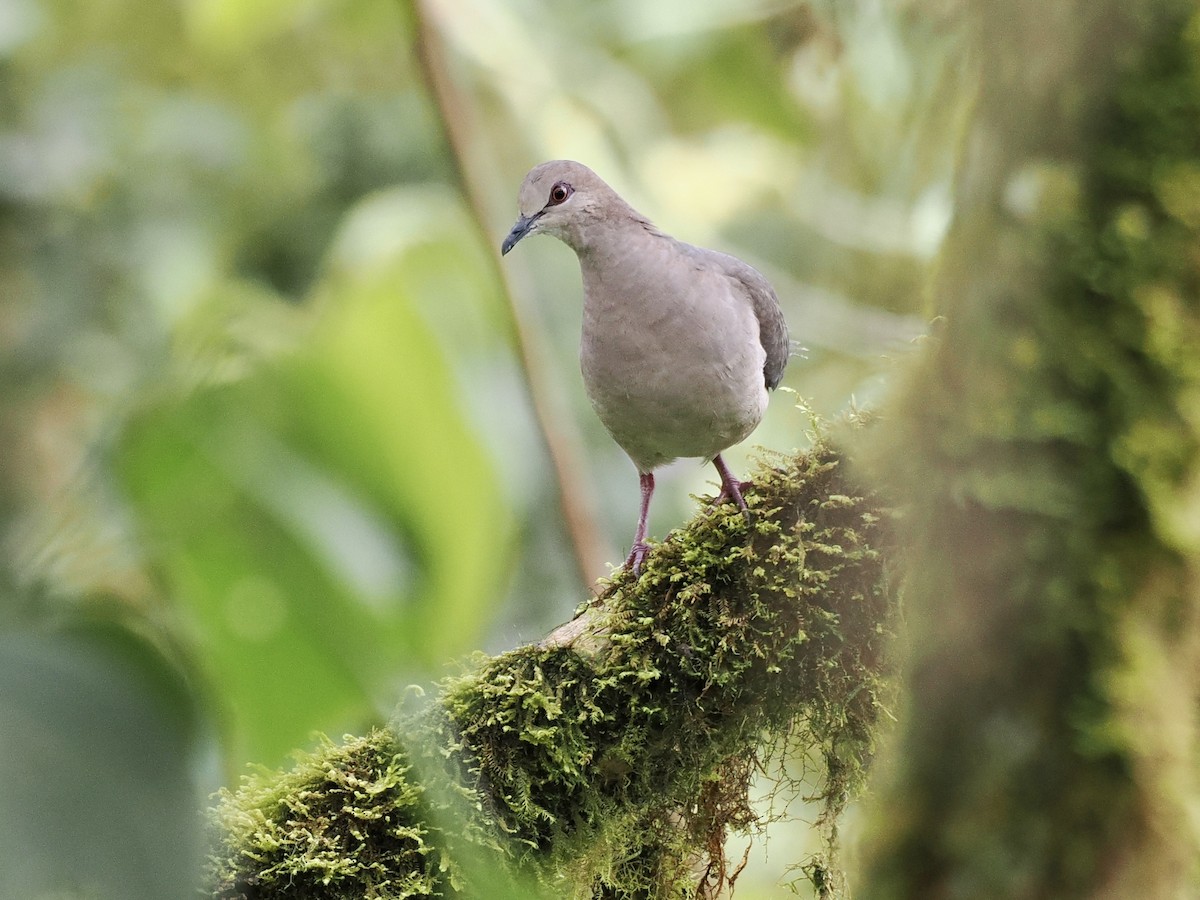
{"points": [[98, 797], [733, 75], [324, 524]]}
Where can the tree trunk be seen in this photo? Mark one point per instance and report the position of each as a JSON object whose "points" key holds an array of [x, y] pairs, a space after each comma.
{"points": [[1048, 450]]}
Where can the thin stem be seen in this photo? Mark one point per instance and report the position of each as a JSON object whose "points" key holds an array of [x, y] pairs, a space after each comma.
{"points": [[563, 444]]}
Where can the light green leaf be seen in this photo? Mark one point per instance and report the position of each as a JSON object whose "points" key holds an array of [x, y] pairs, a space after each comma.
{"points": [[325, 525]]}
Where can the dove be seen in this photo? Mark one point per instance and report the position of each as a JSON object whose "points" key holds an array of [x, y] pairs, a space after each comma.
{"points": [[680, 345]]}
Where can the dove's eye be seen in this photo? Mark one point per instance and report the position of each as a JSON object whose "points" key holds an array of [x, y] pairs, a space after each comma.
{"points": [[560, 192]]}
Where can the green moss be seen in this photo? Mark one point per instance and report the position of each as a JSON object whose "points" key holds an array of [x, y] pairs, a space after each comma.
{"points": [[346, 821], [613, 763]]}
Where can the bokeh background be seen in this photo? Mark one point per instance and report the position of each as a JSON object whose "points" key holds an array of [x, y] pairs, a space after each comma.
{"points": [[281, 435]]}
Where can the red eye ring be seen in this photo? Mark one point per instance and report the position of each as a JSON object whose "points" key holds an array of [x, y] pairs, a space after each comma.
{"points": [[559, 193]]}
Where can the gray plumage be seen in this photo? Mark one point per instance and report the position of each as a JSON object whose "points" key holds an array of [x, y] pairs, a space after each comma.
{"points": [[680, 345]]}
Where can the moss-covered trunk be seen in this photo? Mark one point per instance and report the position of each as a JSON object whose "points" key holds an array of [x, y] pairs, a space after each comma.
{"points": [[1049, 452]]}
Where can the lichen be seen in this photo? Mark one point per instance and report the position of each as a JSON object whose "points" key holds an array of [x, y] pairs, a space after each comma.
{"points": [[611, 764]]}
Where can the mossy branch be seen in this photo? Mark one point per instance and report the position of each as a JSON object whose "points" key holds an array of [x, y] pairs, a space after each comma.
{"points": [[610, 759]]}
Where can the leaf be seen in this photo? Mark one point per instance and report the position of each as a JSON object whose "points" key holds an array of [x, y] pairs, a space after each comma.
{"points": [[324, 524], [98, 797]]}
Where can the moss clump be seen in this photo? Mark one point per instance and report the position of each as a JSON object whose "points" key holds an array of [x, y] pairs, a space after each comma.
{"points": [[611, 759], [345, 815]]}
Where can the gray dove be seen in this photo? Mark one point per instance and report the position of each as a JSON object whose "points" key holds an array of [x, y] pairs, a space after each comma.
{"points": [[680, 345]]}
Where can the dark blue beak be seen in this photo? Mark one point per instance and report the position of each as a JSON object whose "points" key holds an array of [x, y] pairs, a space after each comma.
{"points": [[522, 227]]}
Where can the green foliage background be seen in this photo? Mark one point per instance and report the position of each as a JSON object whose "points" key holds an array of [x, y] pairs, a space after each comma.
{"points": [[267, 452]]}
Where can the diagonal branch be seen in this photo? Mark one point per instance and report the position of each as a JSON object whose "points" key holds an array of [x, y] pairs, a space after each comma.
{"points": [[611, 761]]}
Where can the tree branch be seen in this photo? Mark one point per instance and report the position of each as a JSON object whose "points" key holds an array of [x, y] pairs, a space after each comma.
{"points": [[610, 759]]}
